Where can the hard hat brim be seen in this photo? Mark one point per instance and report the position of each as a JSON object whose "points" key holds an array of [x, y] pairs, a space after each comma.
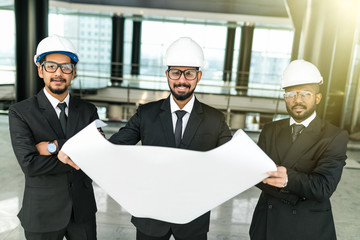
{"points": [[72, 56], [320, 82]]}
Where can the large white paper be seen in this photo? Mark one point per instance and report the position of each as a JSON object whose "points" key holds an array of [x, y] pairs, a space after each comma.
{"points": [[168, 184]]}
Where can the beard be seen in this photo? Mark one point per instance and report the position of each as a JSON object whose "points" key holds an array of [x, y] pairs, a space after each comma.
{"points": [[303, 116], [58, 91], [182, 97]]}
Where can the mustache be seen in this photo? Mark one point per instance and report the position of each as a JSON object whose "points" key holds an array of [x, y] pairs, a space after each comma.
{"points": [[182, 85], [298, 105]]}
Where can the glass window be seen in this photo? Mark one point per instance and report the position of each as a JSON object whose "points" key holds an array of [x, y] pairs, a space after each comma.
{"points": [[158, 35], [7, 47], [94, 66], [91, 32], [271, 52]]}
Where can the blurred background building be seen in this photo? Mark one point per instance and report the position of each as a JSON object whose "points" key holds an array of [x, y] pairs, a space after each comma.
{"points": [[247, 45]]}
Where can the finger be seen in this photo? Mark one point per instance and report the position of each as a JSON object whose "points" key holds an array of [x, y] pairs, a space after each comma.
{"points": [[67, 160], [278, 185], [72, 164], [63, 157], [76, 167], [281, 169], [281, 172], [272, 181], [276, 182], [276, 174]]}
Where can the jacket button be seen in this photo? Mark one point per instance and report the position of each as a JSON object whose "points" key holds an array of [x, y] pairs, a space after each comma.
{"points": [[270, 206], [294, 211]]}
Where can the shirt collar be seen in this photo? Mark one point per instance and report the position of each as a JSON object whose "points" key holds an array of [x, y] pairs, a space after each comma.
{"points": [[188, 107], [306, 122], [54, 102]]}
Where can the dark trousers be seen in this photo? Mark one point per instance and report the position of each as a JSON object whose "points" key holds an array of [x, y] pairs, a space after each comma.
{"points": [[73, 231], [141, 236]]}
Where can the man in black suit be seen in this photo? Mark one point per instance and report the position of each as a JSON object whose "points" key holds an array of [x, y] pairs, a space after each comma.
{"points": [[198, 127], [295, 201], [58, 200]]}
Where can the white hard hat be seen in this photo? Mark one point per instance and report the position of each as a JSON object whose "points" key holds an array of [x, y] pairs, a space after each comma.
{"points": [[300, 72], [55, 44], [184, 52]]}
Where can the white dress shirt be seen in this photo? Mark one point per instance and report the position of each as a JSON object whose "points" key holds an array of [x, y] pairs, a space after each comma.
{"points": [[187, 108], [306, 122], [54, 102]]}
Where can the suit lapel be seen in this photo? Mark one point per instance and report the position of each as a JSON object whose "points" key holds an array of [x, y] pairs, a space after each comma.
{"points": [[49, 113], [166, 122], [283, 139], [196, 117], [304, 141], [73, 117]]}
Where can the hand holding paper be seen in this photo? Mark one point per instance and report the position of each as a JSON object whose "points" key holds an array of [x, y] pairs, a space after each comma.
{"points": [[277, 178], [66, 160]]}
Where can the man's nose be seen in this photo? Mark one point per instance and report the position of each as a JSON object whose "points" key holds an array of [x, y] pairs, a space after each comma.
{"points": [[58, 71], [182, 77], [298, 98]]}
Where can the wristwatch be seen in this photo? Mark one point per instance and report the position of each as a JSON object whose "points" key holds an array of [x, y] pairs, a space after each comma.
{"points": [[51, 147]]}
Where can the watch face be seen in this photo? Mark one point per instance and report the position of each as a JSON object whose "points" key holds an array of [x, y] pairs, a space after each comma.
{"points": [[51, 147]]}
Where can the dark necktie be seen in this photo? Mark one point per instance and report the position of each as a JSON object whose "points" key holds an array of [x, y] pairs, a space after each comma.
{"points": [[296, 129], [178, 127], [63, 117]]}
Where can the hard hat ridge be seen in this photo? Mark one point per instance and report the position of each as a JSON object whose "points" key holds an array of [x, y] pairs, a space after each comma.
{"points": [[184, 52], [300, 72], [55, 44]]}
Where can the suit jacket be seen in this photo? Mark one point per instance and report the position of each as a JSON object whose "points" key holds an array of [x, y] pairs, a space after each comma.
{"points": [[52, 189], [314, 163], [152, 125]]}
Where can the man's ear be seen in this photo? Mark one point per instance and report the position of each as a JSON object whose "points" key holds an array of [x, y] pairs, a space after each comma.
{"points": [[40, 71], [74, 74], [318, 97], [199, 76]]}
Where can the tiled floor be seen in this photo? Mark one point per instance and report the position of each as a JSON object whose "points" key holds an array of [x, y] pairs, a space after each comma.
{"points": [[229, 221]]}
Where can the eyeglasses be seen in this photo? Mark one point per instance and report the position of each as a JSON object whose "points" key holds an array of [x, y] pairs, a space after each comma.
{"points": [[292, 96], [189, 74], [51, 67]]}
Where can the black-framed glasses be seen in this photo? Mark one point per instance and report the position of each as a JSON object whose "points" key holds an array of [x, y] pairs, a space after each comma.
{"points": [[292, 96], [51, 67], [189, 74]]}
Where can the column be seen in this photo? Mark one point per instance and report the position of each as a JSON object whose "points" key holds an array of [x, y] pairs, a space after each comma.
{"points": [[31, 20], [243, 70], [117, 51], [297, 10], [229, 52], [329, 30], [136, 47]]}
